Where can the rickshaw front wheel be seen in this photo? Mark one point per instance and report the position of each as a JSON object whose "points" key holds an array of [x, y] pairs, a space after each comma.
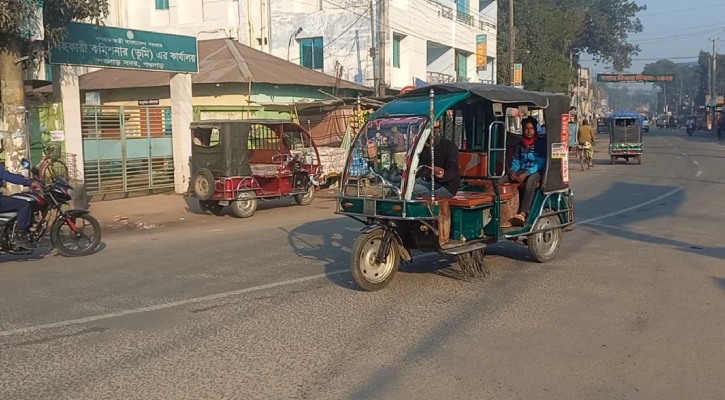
{"points": [[365, 271], [306, 199], [245, 205], [544, 246]]}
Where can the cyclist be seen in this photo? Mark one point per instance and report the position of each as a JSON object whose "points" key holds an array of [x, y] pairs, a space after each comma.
{"points": [[586, 134]]}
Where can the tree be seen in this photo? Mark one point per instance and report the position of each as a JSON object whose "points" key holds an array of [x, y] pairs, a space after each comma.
{"points": [[556, 32], [17, 52], [607, 26]]}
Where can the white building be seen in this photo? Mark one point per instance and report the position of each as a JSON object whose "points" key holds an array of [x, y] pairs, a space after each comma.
{"points": [[328, 34]]}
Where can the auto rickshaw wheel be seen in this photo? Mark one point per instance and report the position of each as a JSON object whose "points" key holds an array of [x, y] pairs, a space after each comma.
{"points": [[614, 159], [203, 184], [365, 271], [544, 246], [639, 160], [305, 199], [245, 205], [212, 206]]}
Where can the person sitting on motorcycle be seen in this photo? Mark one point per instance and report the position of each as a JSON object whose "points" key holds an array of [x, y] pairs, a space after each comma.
{"points": [[527, 166], [19, 206], [584, 136]]}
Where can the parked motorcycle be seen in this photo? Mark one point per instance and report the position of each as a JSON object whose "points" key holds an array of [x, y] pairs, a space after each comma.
{"points": [[47, 205]]}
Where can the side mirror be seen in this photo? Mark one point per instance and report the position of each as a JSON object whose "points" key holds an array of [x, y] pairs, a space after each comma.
{"points": [[25, 163]]}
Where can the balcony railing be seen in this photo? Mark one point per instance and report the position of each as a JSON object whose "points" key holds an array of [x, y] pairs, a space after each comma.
{"points": [[462, 79], [465, 18], [438, 77], [461, 16], [483, 25]]}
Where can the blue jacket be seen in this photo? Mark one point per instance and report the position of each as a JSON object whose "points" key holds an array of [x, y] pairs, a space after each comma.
{"points": [[531, 159], [17, 179]]}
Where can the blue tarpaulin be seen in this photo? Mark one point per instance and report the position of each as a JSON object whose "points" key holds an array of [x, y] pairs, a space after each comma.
{"points": [[628, 114]]}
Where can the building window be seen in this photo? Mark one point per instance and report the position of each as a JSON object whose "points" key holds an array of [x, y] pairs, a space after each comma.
{"points": [[311, 53], [461, 66], [396, 50], [162, 4]]}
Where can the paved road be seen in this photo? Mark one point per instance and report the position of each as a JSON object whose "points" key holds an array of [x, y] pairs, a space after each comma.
{"points": [[263, 308]]}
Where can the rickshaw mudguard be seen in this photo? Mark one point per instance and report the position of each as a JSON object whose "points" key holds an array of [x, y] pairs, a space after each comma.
{"points": [[563, 208], [404, 253]]}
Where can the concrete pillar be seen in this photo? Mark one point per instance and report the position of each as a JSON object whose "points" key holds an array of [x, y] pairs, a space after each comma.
{"points": [[70, 94], [181, 118]]}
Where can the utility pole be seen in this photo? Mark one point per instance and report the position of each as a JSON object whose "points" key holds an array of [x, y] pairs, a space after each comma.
{"points": [[512, 41], [373, 52], [383, 44], [679, 102], [713, 95], [664, 89]]}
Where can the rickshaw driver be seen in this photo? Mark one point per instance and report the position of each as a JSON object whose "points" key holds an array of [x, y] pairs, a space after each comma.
{"points": [[447, 174], [528, 162]]}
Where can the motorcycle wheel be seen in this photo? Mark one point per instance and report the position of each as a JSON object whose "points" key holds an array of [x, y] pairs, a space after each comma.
{"points": [[80, 233]]}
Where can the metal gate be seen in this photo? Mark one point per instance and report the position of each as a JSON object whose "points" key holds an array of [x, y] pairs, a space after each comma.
{"points": [[127, 149]]}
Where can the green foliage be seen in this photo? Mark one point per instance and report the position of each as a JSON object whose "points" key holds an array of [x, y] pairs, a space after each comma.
{"points": [[687, 82], [556, 32], [14, 15]]}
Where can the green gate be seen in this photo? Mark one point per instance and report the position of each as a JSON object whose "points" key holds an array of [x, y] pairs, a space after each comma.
{"points": [[127, 149]]}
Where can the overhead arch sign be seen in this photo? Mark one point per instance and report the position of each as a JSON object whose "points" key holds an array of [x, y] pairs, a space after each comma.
{"points": [[107, 47], [615, 78]]}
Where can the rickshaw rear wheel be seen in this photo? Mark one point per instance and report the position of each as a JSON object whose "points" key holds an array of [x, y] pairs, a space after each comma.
{"points": [[366, 273], [639, 160], [245, 205], [306, 199], [545, 245], [203, 184], [614, 159]]}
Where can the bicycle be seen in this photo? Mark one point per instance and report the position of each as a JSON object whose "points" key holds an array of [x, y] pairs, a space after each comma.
{"points": [[52, 164], [584, 158]]}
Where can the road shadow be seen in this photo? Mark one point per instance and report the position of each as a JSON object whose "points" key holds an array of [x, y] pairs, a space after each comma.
{"points": [[44, 249], [720, 282], [699, 136], [671, 200], [193, 206], [331, 240]]}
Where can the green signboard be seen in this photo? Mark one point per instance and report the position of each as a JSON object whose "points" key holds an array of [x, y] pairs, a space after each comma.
{"points": [[101, 46], [614, 78]]}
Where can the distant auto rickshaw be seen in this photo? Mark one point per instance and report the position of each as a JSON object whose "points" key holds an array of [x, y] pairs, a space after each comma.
{"points": [[602, 127], [240, 162], [625, 138], [377, 188]]}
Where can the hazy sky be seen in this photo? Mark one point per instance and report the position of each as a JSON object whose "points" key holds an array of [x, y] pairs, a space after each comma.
{"points": [[675, 29]]}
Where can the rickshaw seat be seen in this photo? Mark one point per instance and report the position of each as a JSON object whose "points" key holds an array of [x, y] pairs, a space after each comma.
{"points": [[472, 199], [488, 182], [267, 170], [472, 164]]}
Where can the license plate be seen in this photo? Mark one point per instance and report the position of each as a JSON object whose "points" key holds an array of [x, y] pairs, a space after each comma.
{"points": [[369, 207], [224, 203]]}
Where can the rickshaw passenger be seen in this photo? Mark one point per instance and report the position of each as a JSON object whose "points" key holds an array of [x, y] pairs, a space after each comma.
{"points": [[447, 174], [399, 147], [528, 163]]}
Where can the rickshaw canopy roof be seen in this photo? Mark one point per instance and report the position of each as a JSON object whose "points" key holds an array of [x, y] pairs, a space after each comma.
{"points": [[493, 93], [628, 114], [420, 105]]}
